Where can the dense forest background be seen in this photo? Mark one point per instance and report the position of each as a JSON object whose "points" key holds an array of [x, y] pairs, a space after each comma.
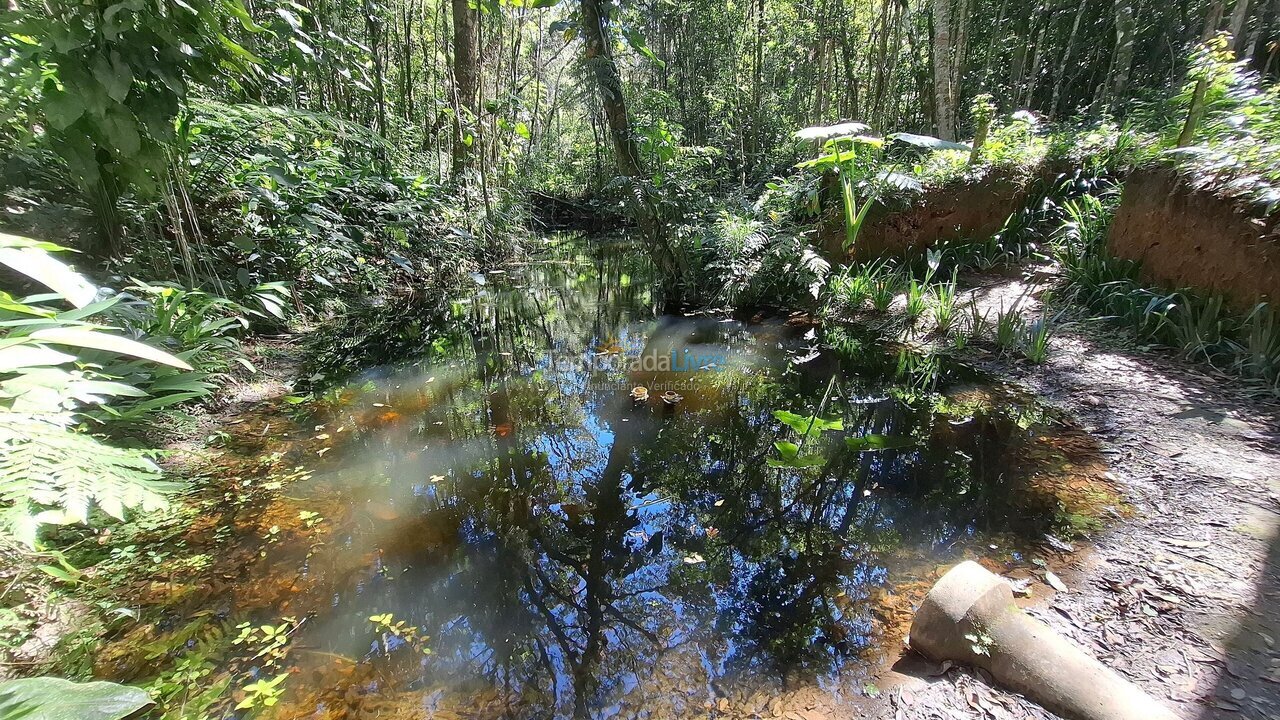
{"points": [[142, 100]]}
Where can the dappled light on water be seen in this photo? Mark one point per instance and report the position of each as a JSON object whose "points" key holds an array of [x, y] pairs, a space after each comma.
{"points": [[510, 529]]}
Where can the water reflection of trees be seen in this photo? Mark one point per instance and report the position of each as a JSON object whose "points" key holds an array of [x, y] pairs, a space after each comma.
{"points": [[599, 539]]}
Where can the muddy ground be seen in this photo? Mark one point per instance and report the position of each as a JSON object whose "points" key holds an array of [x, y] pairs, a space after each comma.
{"points": [[1183, 598]]}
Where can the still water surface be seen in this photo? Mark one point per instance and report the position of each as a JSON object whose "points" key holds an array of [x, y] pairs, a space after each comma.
{"points": [[561, 549]]}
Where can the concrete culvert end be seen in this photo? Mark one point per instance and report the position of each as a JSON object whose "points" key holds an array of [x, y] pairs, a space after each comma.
{"points": [[969, 617]]}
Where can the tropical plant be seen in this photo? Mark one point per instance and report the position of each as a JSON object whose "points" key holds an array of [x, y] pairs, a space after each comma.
{"points": [[107, 81], [58, 370], [1034, 343], [858, 162], [943, 297], [1009, 328], [50, 698]]}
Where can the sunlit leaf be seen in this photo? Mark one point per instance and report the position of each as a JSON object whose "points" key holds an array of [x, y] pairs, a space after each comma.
{"points": [[873, 443], [97, 340], [49, 698]]}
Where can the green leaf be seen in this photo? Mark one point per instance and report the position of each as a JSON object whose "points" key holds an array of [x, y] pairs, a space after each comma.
{"points": [[791, 457], [115, 75], [636, 40], [807, 425], [49, 698], [24, 356], [61, 108], [96, 340], [924, 142], [875, 443], [828, 132], [121, 131], [32, 258]]}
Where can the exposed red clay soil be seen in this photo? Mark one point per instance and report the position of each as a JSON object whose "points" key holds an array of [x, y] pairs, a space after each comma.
{"points": [[967, 209], [1192, 238]]}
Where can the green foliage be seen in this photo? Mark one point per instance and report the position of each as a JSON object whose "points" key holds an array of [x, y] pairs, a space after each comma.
{"points": [[49, 698], [743, 262], [59, 371], [1197, 326], [108, 81], [1234, 136], [302, 195], [858, 162]]}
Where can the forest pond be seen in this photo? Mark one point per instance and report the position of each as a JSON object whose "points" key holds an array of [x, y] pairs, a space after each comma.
{"points": [[506, 530]]}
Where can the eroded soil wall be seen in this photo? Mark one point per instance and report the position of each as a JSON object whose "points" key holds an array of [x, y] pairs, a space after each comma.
{"points": [[1190, 238], [966, 210]]}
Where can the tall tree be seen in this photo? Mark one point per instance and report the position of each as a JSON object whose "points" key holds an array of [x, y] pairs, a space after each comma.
{"points": [[943, 85], [1122, 60], [466, 83], [599, 57]]}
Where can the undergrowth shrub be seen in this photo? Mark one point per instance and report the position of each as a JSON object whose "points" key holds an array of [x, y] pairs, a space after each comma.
{"points": [[746, 263], [71, 383], [1198, 326]]}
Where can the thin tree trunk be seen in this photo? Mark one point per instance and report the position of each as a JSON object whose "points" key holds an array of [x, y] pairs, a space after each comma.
{"points": [[373, 28], [1123, 58], [1239, 14], [465, 80], [1059, 75], [1214, 20], [943, 88]]}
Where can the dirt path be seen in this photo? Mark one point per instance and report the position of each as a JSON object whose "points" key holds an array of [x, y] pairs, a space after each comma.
{"points": [[1184, 597]]}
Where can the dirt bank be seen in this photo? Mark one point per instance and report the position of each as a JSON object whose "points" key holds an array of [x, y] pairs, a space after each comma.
{"points": [[1183, 597], [966, 209], [1190, 238]]}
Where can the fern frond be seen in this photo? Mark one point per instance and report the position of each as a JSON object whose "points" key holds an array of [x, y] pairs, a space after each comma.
{"points": [[51, 474]]}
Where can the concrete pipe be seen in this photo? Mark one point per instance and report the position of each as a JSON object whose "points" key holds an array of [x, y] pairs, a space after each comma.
{"points": [[969, 617]]}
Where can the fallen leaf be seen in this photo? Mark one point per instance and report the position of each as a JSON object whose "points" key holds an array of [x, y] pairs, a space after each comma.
{"points": [[1054, 581]]}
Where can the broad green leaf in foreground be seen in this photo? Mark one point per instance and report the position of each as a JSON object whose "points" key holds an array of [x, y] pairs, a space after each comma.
{"points": [[49, 698]]}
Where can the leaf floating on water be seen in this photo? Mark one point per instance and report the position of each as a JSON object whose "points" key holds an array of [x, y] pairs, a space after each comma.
{"points": [[694, 559], [719, 502]]}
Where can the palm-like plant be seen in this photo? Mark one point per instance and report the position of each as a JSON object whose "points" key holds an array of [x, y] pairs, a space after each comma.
{"points": [[859, 161], [59, 372]]}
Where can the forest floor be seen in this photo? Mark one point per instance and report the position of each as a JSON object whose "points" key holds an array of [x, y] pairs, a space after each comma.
{"points": [[1183, 597]]}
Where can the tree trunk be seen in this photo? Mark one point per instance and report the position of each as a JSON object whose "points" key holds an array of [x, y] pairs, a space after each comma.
{"points": [[943, 87], [1123, 58], [1060, 74], [1239, 14], [373, 28], [1214, 20], [465, 81], [1263, 46], [626, 152], [600, 60]]}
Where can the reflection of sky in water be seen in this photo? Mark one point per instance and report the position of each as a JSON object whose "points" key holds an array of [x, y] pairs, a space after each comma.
{"points": [[592, 556]]}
